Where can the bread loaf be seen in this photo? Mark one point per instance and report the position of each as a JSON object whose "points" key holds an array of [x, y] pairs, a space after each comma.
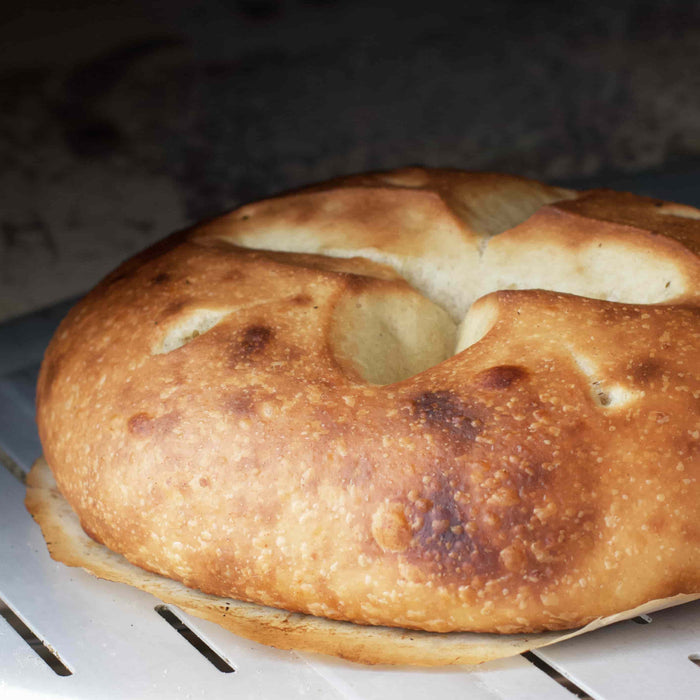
{"points": [[427, 399]]}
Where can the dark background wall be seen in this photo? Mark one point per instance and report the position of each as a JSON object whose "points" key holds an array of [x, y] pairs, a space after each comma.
{"points": [[122, 121]]}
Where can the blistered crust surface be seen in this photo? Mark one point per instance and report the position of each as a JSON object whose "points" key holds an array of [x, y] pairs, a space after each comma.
{"points": [[207, 414], [366, 644]]}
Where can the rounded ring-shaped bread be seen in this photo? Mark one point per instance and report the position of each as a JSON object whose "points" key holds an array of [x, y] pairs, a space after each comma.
{"points": [[429, 399]]}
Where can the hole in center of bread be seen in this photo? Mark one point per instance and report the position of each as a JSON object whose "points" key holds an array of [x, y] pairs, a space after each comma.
{"points": [[382, 336]]}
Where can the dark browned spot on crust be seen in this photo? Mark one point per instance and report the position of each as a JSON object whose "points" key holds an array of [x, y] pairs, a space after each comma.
{"points": [[616, 313], [494, 525], [645, 370], [442, 524], [247, 400], [356, 282], [234, 275], [173, 309], [239, 404], [255, 339], [251, 342], [162, 278], [449, 537], [445, 411], [520, 518], [203, 482], [49, 372], [145, 425], [117, 276], [657, 522], [500, 377], [301, 300], [140, 424]]}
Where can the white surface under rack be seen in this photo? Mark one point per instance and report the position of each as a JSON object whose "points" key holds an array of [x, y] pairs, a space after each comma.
{"points": [[65, 634]]}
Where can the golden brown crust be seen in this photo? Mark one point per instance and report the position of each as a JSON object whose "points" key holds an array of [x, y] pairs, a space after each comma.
{"points": [[289, 428], [366, 644], [660, 218]]}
